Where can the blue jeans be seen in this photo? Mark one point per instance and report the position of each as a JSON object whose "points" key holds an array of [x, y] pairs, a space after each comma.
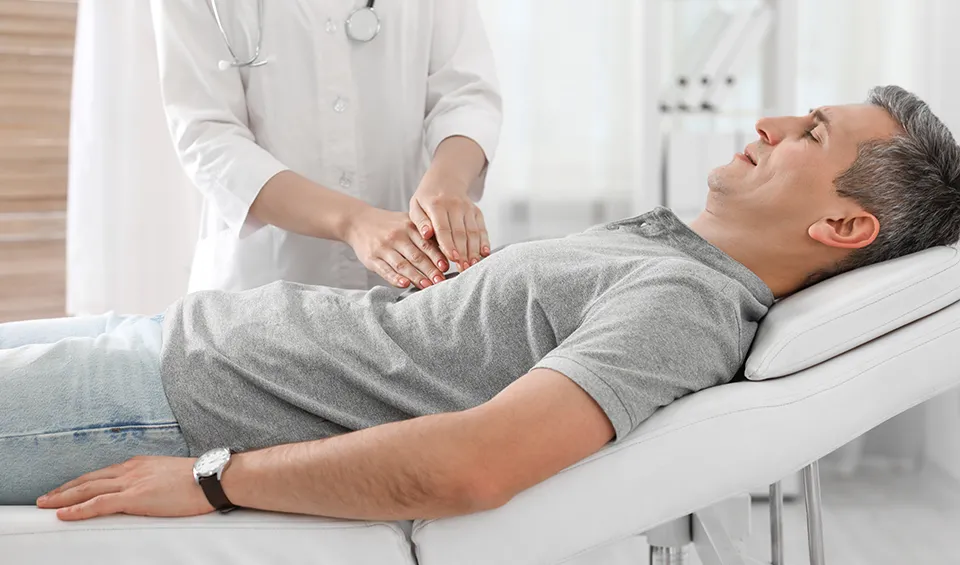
{"points": [[76, 395]]}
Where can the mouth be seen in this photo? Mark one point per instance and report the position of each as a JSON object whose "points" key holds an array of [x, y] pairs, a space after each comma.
{"points": [[749, 156]]}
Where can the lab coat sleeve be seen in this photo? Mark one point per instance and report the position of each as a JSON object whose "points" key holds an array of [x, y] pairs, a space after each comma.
{"points": [[207, 113], [463, 94]]}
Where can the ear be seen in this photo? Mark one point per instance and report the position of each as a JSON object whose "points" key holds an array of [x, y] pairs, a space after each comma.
{"points": [[846, 232]]}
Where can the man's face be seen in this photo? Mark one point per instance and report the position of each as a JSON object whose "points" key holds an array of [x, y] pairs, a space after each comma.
{"points": [[783, 182]]}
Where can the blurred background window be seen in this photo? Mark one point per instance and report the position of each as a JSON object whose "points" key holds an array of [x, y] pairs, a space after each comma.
{"points": [[36, 58]]}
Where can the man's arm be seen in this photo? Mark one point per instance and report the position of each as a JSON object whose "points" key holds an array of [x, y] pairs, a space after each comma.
{"points": [[429, 467]]}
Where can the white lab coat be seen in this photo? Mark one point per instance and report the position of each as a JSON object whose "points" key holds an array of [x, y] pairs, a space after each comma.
{"points": [[359, 118]]}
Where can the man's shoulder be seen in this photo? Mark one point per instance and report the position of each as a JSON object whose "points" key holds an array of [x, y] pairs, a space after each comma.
{"points": [[674, 287], [681, 272]]}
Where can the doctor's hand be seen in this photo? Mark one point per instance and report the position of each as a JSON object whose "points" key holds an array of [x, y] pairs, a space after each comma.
{"points": [[388, 244], [142, 486], [442, 209]]}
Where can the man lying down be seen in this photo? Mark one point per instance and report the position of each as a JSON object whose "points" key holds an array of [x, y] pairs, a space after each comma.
{"points": [[453, 400]]}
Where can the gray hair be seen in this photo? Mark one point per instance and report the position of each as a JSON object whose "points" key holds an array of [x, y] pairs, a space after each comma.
{"points": [[910, 183]]}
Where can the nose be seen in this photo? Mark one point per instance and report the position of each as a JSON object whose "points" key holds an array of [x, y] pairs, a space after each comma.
{"points": [[769, 131]]}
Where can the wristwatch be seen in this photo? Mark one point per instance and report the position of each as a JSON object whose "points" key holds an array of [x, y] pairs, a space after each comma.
{"points": [[207, 471]]}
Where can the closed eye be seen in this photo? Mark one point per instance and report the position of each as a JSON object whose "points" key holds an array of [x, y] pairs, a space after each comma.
{"points": [[809, 133]]}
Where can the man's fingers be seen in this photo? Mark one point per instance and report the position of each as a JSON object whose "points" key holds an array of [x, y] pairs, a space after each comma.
{"points": [[421, 220], [484, 237], [81, 493], [102, 505], [473, 238], [110, 472]]}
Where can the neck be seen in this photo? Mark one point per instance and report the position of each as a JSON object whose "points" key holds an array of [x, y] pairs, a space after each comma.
{"points": [[783, 273]]}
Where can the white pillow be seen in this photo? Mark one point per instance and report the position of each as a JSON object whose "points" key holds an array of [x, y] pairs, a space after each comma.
{"points": [[832, 317]]}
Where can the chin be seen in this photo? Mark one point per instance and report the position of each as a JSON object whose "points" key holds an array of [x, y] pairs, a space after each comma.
{"points": [[717, 180]]}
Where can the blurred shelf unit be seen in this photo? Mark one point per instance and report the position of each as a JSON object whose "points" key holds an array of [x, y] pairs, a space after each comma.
{"points": [[724, 65]]}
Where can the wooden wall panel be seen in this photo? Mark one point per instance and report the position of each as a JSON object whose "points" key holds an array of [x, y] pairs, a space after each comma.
{"points": [[36, 65]]}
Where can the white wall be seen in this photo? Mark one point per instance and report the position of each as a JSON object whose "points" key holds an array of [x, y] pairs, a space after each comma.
{"points": [[941, 62], [576, 111], [847, 47], [913, 44]]}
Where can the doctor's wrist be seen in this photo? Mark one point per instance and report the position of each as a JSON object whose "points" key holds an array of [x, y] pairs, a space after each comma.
{"points": [[350, 221], [448, 181], [458, 163]]}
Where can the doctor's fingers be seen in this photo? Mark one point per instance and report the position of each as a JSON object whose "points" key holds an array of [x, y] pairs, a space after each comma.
{"points": [[382, 268], [473, 238], [432, 250], [458, 229], [420, 272], [443, 233], [424, 255], [421, 219], [484, 236]]}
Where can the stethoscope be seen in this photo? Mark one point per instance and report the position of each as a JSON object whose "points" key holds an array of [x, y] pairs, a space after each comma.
{"points": [[363, 24]]}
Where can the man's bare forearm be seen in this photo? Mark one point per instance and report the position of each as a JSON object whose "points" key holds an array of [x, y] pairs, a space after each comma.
{"points": [[404, 470]]}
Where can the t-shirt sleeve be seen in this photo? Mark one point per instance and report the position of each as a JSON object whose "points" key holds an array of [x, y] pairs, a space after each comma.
{"points": [[646, 343]]}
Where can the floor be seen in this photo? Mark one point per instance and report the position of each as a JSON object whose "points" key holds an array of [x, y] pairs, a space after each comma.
{"points": [[877, 517]]}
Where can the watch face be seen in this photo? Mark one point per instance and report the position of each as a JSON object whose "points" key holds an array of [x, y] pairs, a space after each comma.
{"points": [[210, 462]]}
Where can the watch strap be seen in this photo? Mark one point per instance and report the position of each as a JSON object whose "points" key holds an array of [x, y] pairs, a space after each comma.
{"points": [[213, 490]]}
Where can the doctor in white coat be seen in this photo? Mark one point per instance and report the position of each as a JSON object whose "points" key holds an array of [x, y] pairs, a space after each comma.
{"points": [[335, 142]]}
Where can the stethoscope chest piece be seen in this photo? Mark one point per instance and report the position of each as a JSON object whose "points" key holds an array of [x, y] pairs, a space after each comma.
{"points": [[363, 24]]}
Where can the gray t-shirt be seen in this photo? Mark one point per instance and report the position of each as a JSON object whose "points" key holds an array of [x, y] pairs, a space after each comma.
{"points": [[638, 313]]}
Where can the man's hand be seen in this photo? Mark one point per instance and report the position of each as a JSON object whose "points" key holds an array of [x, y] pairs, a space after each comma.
{"points": [[388, 244], [143, 486], [433, 466]]}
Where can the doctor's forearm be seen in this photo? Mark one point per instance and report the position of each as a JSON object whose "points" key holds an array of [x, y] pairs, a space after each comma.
{"points": [[294, 203], [459, 159]]}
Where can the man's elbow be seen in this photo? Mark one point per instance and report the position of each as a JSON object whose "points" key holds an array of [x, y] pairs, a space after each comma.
{"points": [[476, 492]]}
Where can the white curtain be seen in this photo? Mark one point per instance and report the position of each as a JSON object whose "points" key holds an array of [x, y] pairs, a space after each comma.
{"points": [[132, 214]]}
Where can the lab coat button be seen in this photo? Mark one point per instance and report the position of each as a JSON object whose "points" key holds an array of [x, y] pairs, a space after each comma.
{"points": [[331, 26], [346, 181], [340, 106]]}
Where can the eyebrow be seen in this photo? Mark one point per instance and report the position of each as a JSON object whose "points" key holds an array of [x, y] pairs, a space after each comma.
{"points": [[821, 117]]}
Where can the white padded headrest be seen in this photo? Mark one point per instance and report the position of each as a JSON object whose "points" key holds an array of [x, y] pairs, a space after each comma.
{"points": [[836, 315]]}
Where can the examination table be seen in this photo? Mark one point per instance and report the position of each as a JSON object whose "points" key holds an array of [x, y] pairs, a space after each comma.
{"points": [[828, 364]]}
